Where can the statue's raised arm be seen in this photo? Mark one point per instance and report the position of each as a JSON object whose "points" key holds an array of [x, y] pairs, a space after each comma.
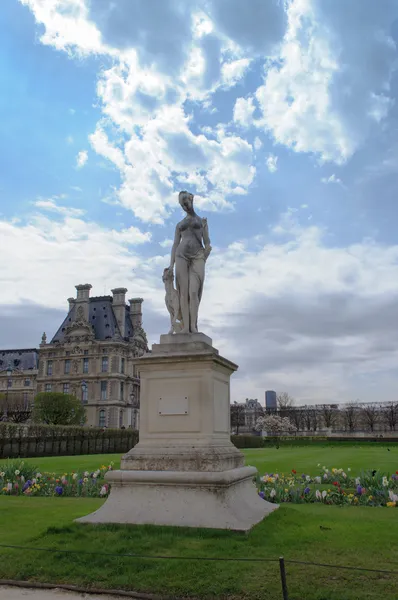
{"points": [[191, 248]]}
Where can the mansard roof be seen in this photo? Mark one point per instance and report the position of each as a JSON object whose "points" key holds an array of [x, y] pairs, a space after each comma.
{"points": [[102, 318], [24, 359]]}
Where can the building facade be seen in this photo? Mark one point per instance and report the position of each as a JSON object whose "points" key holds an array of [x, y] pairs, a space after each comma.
{"points": [[18, 373], [93, 355]]}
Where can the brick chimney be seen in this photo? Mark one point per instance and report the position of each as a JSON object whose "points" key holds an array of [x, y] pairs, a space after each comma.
{"points": [[119, 308], [82, 300], [136, 311]]}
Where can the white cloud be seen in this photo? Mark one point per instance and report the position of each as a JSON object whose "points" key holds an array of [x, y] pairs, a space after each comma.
{"points": [[166, 147], [69, 139], [322, 96], [66, 25], [257, 144], [331, 179], [243, 111], [233, 71], [50, 205], [64, 253], [167, 243], [271, 163], [81, 158]]}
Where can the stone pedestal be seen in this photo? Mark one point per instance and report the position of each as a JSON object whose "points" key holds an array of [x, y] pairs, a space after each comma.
{"points": [[184, 471]]}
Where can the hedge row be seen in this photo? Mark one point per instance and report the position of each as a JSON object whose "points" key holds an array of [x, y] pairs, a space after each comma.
{"points": [[254, 441], [52, 440]]}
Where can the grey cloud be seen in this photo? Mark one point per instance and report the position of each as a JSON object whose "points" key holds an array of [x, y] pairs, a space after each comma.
{"points": [[361, 36], [294, 332], [186, 152], [21, 326], [160, 30], [256, 25], [211, 47]]}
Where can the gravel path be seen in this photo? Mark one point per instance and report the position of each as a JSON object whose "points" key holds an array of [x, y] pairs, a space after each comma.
{"points": [[15, 593]]}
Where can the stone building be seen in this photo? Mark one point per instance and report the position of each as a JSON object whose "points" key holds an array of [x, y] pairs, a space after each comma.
{"points": [[18, 372], [93, 356]]}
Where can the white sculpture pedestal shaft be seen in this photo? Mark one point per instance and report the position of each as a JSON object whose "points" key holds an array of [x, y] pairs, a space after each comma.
{"points": [[184, 471]]}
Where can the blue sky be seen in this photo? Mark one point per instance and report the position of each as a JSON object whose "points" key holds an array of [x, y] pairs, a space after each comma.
{"points": [[281, 118]]}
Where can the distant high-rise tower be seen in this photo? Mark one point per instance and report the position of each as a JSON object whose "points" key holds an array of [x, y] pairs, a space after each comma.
{"points": [[270, 400]]}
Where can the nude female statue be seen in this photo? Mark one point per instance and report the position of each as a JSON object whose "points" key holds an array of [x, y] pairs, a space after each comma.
{"points": [[189, 253]]}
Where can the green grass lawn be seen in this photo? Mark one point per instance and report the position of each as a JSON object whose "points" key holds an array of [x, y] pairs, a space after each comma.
{"points": [[349, 536], [354, 536], [302, 458]]}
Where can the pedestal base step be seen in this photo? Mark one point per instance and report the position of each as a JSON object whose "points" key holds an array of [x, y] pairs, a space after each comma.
{"points": [[216, 500]]}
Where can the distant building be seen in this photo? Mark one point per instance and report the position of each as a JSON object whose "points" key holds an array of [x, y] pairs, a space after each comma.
{"points": [[93, 355], [253, 410], [270, 400], [18, 372]]}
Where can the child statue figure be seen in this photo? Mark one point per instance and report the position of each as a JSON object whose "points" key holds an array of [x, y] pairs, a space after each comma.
{"points": [[189, 253]]}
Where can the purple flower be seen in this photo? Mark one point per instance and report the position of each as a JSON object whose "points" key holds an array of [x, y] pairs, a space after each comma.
{"points": [[27, 484], [302, 476], [262, 495], [307, 490], [59, 490], [359, 489], [80, 481]]}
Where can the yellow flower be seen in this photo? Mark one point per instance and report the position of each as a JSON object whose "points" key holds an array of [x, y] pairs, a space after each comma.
{"points": [[391, 504], [370, 497], [286, 490], [355, 500]]}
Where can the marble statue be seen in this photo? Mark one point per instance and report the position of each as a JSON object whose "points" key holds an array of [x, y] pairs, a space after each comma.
{"points": [[189, 253], [172, 301]]}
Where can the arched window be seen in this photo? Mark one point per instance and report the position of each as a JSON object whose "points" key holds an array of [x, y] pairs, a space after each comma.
{"points": [[102, 418], [120, 418]]}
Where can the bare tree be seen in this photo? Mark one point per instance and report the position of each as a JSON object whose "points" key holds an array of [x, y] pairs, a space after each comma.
{"points": [[295, 415], [310, 418], [389, 414], [328, 414], [15, 412], [370, 416], [237, 416], [350, 415], [284, 400]]}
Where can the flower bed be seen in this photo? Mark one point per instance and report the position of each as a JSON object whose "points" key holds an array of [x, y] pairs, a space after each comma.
{"points": [[334, 486], [20, 479]]}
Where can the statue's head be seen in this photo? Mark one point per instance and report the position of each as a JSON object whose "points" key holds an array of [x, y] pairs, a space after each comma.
{"points": [[186, 201]]}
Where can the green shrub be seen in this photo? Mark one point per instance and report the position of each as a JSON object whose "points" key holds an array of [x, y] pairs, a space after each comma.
{"points": [[247, 441], [55, 408]]}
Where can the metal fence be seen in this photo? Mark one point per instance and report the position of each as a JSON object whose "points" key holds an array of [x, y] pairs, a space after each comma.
{"points": [[282, 562]]}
